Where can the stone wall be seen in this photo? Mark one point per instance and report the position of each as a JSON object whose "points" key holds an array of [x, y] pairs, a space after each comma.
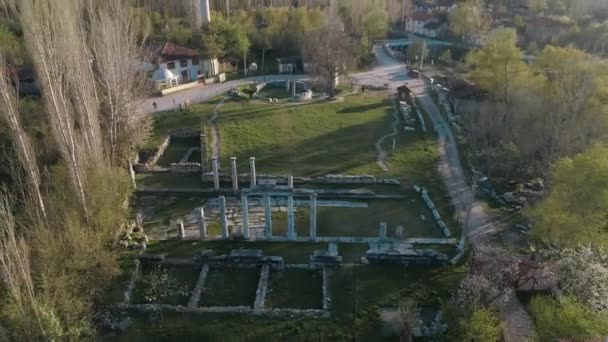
{"points": [[185, 168], [186, 133], [436, 216], [132, 282], [152, 160], [260, 294]]}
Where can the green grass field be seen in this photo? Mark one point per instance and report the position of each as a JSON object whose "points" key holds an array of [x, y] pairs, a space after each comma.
{"points": [[185, 276], [297, 289], [230, 287]]}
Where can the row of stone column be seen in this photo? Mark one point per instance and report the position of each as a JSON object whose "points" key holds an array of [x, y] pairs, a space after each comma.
{"points": [[291, 227], [235, 177], [233, 173]]}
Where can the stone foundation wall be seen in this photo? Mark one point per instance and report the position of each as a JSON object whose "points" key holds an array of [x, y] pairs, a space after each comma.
{"points": [[132, 282], [151, 162], [436, 216], [260, 294], [185, 167], [185, 133]]}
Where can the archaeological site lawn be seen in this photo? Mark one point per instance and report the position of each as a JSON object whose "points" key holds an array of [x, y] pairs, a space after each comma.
{"points": [[358, 293]]}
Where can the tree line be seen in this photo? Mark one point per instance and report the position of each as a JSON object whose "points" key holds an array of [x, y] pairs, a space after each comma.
{"points": [[60, 217]]}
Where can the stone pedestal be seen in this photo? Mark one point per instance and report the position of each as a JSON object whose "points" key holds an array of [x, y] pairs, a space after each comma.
{"points": [[267, 217], [313, 217], [223, 218], [202, 225], [291, 222], [254, 180], [216, 175], [382, 232], [245, 216], [290, 182], [181, 232], [234, 174]]}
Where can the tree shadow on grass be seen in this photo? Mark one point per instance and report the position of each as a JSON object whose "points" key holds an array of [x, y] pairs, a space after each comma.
{"points": [[364, 108], [334, 152]]}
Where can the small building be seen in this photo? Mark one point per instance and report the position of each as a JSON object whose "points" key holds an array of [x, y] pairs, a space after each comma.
{"points": [[289, 65], [178, 64]]}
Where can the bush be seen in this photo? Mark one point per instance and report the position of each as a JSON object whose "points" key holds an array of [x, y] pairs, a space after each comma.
{"points": [[566, 318], [480, 325]]}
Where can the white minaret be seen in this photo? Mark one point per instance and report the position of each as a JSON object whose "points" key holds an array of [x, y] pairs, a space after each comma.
{"points": [[205, 12]]}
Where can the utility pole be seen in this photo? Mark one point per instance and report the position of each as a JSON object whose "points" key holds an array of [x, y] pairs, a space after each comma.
{"points": [[422, 58]]}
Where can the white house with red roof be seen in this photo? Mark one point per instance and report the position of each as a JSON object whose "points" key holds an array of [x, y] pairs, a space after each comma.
{"points": [[179, 64]]}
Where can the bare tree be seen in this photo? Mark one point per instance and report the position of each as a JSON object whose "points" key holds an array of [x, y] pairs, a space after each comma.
{"points": [[117, 54], [15, 274], [333, 53], [9, 101], [54, 39]]}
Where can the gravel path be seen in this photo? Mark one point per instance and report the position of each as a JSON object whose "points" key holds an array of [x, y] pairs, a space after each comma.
{"points": [[381, 153], [215, 136]]}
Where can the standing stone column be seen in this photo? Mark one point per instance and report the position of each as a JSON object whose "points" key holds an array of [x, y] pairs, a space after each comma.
{"points": [[223, 217], [204, 160], [181, 232], [132, 174], [382, 232], [235, 176], [290, 182], [291, 223], [245, 216], [293, 88], [254, 180], [216, 175], [202, 225], [267, 217], [287, 86], [313, 217]]}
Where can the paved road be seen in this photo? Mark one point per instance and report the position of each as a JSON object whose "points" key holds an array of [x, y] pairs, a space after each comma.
{"points": [[204, 93]]}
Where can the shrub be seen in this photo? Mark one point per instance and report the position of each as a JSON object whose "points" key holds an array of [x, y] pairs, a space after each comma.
{"points": [[566, 318]]}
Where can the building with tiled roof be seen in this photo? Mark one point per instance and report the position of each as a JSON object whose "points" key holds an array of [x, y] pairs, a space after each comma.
{"points": [[426, 23], [176, 64]]}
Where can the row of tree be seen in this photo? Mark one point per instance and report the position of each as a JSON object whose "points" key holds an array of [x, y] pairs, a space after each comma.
{"points": [[60, 219], [534, 114]]}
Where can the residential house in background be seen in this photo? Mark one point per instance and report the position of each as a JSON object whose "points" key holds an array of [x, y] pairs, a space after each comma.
{"points": [[178, 64], [427, 23]]}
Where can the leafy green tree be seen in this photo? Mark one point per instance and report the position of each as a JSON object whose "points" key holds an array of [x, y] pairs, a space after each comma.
{"points": [[374, 26], [468, 19], [498, 66], [575, 210], [566, 318], [446, 57]]}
